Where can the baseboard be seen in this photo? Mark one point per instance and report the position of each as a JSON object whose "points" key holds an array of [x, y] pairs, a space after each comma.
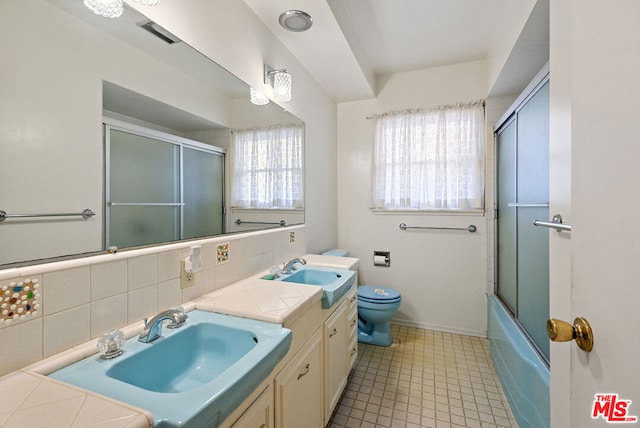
{"points": [[445, 329]]}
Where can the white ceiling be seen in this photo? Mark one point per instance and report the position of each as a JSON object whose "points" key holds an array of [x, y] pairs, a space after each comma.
{"points": [[353, 41]]}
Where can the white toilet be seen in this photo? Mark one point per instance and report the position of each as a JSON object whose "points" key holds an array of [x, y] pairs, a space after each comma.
{"points": [[376, 307]]}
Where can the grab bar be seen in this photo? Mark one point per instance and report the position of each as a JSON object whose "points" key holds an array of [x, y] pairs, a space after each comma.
{"points": [[555, 223], [528, 204], [281, 222], [472, 228], [146, 204], [85, 214]]}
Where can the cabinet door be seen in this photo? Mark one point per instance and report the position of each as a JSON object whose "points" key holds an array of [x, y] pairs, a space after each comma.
{"points": [[259, 414], [299, 388], [335, 361]]}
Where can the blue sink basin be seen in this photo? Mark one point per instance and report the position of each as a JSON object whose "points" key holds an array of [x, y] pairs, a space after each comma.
{"points": [[334, 282], [200, 353], [314, 277], [192, 376]]}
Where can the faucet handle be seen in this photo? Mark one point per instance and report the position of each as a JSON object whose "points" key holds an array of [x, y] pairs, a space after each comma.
{"points": [[110, 344], [180, 318], [181, 311], [178, 308]]}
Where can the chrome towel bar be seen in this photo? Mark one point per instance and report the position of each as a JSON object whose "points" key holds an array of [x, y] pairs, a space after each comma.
{"points": [[528, 204], [281, 222], [555, 223], [472, 228], [85, 214]]}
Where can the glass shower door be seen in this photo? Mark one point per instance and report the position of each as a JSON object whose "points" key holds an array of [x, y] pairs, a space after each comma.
{"points": [[143, 190], [523, 196], [160, 188], [203, 196], [533, 201]]}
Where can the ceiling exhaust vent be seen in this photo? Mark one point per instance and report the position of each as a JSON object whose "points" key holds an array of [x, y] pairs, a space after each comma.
{"points": [[159, 32]]}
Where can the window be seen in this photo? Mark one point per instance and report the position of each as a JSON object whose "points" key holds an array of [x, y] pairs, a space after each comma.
{"points": [[267, 167], [430, 159]]}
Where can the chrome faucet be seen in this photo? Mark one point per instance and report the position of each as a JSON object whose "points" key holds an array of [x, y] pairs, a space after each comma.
{"points": [[153, 328], [286, 269]]}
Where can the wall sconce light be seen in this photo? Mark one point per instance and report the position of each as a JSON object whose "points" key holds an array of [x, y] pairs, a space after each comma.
{"points": [[113, 8], [105, 8], [280, 80], [258, 98]]}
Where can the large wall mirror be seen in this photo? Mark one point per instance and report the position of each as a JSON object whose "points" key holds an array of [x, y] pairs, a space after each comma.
{"points": [[66, 73]]}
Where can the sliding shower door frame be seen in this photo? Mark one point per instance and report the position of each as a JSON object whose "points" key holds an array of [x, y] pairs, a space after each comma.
{"points": [[509, 118], [112, 124]]}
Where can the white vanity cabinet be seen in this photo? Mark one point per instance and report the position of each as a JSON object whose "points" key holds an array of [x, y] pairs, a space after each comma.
{"points": [[259, 414], [298, 388], [336, 335]]}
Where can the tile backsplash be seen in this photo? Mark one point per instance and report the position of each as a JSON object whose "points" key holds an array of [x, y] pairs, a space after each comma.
{"points": [[81, 299]]}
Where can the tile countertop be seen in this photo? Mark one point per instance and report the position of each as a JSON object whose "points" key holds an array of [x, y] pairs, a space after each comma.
{"points": [[265, 300], [272, 301], [29, 398], [32, 400]]}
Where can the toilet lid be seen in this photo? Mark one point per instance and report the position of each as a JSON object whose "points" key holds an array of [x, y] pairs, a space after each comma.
{"points": [[377, 294]]}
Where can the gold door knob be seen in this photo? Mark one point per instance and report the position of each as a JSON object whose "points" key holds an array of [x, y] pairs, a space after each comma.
{"points": [[562, 331]]}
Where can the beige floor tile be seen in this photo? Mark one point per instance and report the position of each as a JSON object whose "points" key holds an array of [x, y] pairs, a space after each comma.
{"points": [[425, 379]]}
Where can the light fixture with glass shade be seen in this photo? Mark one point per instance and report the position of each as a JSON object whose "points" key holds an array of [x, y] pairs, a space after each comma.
{"points": [[147, 2], [258, 98], [105, 8], [280, 81]]}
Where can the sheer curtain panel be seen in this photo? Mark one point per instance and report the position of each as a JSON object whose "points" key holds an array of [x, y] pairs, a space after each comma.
{"points": [[267, 167], [430, 159]]}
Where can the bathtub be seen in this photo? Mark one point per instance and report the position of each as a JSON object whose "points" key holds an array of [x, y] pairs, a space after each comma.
{"points": [[522, 373]]}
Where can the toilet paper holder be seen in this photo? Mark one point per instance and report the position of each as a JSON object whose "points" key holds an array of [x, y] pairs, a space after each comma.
{"points": [[382, 258]]}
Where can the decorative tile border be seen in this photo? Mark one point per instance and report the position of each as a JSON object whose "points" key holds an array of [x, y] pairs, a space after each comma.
{"points": [[222, 252], [19, 300]]}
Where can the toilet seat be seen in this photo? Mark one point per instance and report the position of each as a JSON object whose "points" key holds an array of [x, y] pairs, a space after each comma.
{"points": [[377, 294]]}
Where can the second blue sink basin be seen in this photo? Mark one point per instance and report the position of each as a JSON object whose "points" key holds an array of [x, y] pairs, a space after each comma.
{"points": [[314, 277], [334, 282]]}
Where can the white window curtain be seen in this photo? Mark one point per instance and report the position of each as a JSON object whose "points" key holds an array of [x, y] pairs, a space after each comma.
{"points": [[430, 159], [267, 167]]}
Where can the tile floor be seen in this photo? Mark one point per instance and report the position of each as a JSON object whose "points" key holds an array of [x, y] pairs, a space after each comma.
{"points": [[424, 379]]}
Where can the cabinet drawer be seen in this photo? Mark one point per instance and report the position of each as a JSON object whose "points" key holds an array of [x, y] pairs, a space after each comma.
{"points": [[352, 352], [352, 323], [352, 298]]}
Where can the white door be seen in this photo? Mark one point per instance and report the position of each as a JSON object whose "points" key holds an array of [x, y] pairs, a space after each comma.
{"points": [[595, 185]]}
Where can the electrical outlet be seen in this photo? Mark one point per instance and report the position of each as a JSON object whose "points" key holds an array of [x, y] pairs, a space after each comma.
{"points": [[186, 279]]}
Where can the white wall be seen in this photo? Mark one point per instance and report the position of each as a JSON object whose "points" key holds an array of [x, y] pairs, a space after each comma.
{"points": [[512, 21], [441, 274]]}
